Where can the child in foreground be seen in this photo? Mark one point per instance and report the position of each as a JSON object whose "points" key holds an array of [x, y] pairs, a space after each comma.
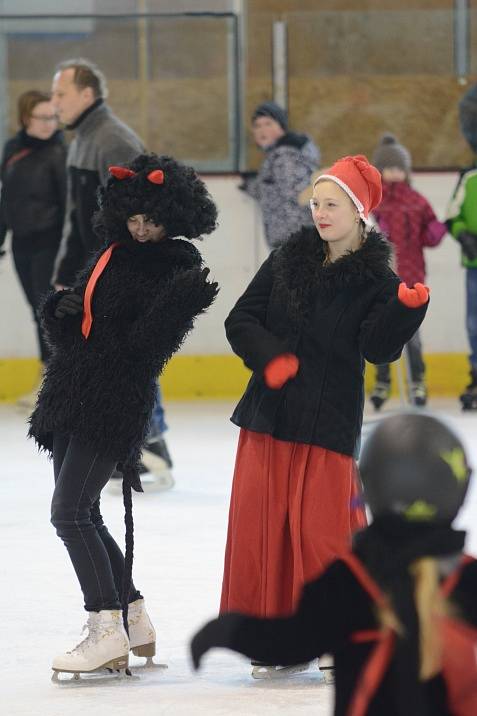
{"points": [[399, 611]]}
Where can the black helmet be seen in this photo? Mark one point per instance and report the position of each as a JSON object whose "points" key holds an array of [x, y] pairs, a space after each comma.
{"points": [[414, 466]]}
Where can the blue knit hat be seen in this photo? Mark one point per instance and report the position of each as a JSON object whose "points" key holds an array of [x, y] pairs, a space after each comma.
{"points": [[273, 110]]}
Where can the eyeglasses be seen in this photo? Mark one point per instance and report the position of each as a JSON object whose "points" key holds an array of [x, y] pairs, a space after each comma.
{"points": [[45, 117]]}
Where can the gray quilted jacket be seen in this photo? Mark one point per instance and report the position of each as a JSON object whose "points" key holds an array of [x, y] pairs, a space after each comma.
{"points": [[285, 172]]}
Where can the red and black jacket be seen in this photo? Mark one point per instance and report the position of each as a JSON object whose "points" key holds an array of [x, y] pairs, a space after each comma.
{"points": [[337, 615]]}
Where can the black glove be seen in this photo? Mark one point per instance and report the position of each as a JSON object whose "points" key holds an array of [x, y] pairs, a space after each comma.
{"points": [[210, 289], [203, 276], [468, 242], [69, 305], [218, 632], [246, 178]]}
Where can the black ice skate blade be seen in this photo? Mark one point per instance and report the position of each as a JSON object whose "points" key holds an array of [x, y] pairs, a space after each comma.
{"points": [[270, 673], [92, 678], [468, 404]]}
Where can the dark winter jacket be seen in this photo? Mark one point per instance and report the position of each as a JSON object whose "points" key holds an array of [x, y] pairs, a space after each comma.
{"points": [[32, 205], [410, 224], [101, 390], [285, 172], [332, 609], [101, 140], [333, 318]]}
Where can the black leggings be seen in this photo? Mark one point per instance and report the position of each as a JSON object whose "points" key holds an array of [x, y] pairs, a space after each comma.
{"points": [[80, 475], [413, 353]]}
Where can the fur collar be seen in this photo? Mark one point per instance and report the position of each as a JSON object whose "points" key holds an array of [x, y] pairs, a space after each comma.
{"points": [[299, 271]]}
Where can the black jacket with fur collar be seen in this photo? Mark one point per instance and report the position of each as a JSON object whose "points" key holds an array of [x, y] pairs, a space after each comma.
{"points": [[101, 390], [333, 318]]}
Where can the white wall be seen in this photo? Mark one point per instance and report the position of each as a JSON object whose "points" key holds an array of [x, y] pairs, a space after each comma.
{"points": [[234, 253]]}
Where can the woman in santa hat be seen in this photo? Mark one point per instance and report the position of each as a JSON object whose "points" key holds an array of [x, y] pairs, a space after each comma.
{"points": [[320, 305]]}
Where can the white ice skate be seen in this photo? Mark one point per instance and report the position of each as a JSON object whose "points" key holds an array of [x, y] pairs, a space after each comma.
{"points": [[155, 473], [266, 671], [142, 635], [326, 666], [105, 647], [158, 480]]}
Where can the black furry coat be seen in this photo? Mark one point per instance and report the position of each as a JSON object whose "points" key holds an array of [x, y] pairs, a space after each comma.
{"points": [[333, 318], [101, 390]]}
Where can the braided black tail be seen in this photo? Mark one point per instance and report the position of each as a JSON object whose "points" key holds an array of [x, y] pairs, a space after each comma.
{"points": [[129, 553]]}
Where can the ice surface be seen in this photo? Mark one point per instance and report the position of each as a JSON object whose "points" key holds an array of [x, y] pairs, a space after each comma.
{"points": [[180, 538]]}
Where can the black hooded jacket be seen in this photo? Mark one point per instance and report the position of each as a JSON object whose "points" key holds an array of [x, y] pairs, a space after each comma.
{"points": [[33, 175], [101, 390], [332, 317]]}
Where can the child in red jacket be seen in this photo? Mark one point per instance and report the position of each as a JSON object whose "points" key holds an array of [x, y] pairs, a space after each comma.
{"points": [[410, 223]]}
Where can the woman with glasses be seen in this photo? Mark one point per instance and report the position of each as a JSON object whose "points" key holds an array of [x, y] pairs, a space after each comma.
{"points": [[32, 204]]}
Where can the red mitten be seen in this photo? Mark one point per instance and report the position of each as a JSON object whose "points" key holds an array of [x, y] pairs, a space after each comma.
{"points": [[413, 297], [281, 369]]}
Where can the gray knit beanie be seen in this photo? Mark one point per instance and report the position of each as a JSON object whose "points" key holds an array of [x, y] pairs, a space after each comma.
{"points": [[273, 110], [389, 153], [468, 117]]}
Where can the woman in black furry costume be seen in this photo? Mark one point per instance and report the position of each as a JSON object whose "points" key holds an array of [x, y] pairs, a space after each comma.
{"points": [[111, 335]]}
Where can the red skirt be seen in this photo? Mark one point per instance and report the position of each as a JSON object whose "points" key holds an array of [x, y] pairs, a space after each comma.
{"points": [[293, 509]]}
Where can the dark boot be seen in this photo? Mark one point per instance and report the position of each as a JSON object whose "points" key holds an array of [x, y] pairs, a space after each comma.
{"points": [[418, 394], [469, 396], [380, 394]]}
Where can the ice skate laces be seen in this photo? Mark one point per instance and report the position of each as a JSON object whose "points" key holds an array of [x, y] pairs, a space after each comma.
{"points": [[92, 627]]}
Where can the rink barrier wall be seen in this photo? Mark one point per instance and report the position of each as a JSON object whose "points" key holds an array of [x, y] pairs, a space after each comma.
{"points": [[189, 377]]}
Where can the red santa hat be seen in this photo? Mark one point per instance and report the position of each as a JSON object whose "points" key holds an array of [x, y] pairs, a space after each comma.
{"points": [[359, 179]]}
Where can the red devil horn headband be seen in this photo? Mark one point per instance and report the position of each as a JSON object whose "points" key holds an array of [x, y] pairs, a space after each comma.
{"points": [[155, 177], [121, 172]]}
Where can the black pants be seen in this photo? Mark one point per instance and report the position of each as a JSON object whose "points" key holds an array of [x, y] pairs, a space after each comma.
{"points": [[80, 475], [35, 269], [413, 353]]}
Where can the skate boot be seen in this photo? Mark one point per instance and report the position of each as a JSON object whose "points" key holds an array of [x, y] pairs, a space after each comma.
{"points": [[326, 666], [157, 460], [154, 479], [380, 394], [105, 647], [418, 394], [150, 481], [157, 445], [142, 636], [469, 396]]}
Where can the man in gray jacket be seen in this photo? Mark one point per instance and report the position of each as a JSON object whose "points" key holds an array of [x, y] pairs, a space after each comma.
{"points": [[101, 140], [290, 160]]}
